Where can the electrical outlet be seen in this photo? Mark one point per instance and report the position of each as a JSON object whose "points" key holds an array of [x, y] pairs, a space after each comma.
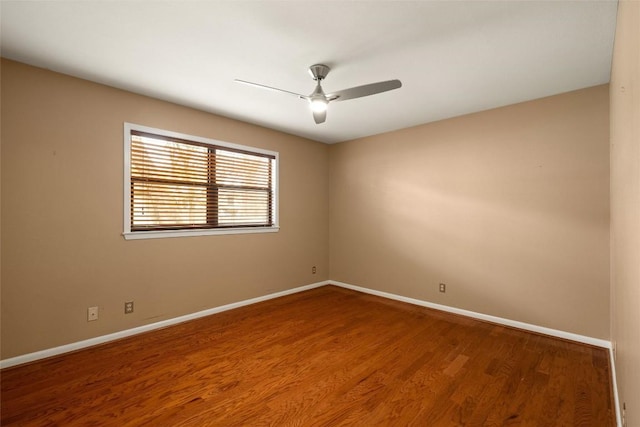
{"points": [[128, 307], [443, 287], [624, 414], [92, 314], [313, 269]]}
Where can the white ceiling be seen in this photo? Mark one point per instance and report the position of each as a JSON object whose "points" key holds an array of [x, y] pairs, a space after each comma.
{"points": [[453, 57]]}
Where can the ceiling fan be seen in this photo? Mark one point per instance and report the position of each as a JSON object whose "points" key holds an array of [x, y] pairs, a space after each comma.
{"points": [[319, 101]]}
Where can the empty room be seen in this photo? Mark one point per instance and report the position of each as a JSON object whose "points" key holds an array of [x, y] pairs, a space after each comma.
{"points": [[320, 213]]}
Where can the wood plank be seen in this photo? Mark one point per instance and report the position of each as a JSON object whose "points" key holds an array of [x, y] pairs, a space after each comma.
{"points": [[325, 357]]}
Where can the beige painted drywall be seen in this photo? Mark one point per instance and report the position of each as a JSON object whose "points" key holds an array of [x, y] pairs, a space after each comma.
{"points": [[62, 216], [625, 206], [508, 207]]}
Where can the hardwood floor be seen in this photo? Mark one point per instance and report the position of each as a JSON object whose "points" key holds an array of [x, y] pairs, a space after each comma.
{"points": [[325, 357]]}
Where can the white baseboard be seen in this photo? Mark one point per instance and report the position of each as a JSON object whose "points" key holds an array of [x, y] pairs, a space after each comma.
{"points": [[31, 357], [480, 316]]}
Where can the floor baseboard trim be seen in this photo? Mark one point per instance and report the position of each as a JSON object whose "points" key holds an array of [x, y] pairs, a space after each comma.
{"points": [[55, 351], [480, 316]]}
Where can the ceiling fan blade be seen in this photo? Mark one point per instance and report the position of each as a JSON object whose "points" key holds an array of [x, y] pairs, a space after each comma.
{"points": [[320, 116], [271, 88], [364, 90]]}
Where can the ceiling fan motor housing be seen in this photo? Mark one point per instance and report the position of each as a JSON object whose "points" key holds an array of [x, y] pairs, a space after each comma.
{"points": [[319, 71]]}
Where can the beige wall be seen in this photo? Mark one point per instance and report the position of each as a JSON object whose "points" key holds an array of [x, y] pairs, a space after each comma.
{"points": [[625, 206], [508, 207], [62, 216]]}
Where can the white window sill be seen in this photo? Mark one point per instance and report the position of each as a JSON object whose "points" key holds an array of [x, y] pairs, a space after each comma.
{"points": [[135, 235]]}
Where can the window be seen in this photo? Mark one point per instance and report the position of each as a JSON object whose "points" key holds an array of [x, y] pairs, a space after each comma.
{"points": [[182, 185]]}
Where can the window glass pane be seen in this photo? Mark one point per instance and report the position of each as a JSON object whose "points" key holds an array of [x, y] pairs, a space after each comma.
{"points": [[168, 205], [240, 169], [160, 159], [240, 207]]}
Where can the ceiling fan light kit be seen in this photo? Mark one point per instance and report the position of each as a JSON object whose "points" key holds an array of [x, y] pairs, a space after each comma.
{"points": [[319, 105], [319, 101]]}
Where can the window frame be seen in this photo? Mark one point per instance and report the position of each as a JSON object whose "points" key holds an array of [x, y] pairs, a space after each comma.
{"points": [[152, 234]]}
